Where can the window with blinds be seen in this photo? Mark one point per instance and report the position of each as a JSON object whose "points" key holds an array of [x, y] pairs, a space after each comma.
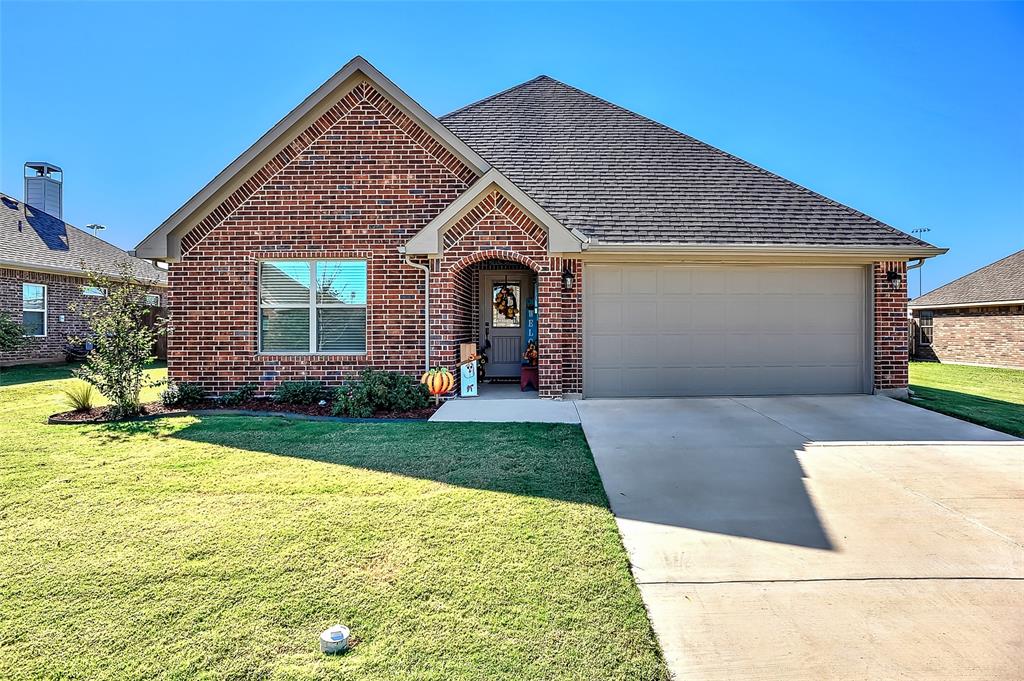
{"points": [[313, 306]]}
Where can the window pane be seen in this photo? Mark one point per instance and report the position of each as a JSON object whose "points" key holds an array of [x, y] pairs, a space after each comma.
{"points": [[284, 330], [93, 291], [284, 282], [33, 323], [341, 330], [153, 299], [342, 282], [505, 312], [33, 297]]}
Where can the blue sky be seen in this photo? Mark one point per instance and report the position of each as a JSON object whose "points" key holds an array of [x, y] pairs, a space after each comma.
{"points": [[912, 113]]}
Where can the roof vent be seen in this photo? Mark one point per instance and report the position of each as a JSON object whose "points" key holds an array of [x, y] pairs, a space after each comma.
{"points": [[44, 188]]}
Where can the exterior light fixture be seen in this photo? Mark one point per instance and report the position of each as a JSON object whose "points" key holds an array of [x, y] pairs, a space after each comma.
{"points": [[568, 279], [894, 278]]}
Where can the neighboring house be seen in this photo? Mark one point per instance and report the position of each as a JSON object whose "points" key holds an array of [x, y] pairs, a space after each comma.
{"points": [[657, 265], [43, 271], [977, 319]]}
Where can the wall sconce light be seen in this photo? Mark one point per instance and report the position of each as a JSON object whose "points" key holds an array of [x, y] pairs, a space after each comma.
{"points": [[568, 279], [894, 278]]}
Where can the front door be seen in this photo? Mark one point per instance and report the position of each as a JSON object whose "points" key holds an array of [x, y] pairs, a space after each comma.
{"points": [[502, 318]]}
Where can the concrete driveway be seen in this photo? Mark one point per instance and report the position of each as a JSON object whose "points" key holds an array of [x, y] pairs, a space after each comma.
{"points": [[848, 537]]}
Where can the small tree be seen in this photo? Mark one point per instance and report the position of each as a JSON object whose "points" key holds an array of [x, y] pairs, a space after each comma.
{"points": [[12, 334], [122, 340]]}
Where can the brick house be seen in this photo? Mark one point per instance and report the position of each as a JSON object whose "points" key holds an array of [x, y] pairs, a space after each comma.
{"points": [[977, 319], [363, 231], [44, 264]]}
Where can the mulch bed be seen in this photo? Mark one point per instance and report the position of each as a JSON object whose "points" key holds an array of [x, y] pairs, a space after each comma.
{"points": [[256, 407]]}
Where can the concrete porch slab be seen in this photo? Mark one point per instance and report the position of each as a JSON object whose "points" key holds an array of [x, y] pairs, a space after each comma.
{"points": [[482, 410]]}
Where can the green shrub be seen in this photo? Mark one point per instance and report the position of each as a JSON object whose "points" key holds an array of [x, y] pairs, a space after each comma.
{"points": [[182, 394], [239, 395], [299, 392], [79, 395], [12, 334], [122, 340], [379, 391]]}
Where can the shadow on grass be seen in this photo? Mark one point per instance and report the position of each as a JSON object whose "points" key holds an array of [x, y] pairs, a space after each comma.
{"points": [[734, 492], [1006, 417], [531, 459]]}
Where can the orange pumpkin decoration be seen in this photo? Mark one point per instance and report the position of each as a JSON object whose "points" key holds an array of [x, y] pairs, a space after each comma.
{"points": [[439, 381]]}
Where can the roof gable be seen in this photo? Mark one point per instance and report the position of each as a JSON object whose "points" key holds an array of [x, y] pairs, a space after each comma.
{"points": [[428, 241], [1001, 281], [621, 178], [166, 241]]}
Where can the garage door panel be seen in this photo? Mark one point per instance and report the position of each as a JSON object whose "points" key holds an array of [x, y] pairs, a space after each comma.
{"points": [[674, 314], [719, 330], [642, 281], [604, 280], [676, 281], [674, 350], [606, 315], [605, 350], [640, 350], [641, 313]]}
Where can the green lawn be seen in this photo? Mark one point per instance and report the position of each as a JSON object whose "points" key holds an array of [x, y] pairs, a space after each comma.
{"points": [[219, 547], [989, 397]]}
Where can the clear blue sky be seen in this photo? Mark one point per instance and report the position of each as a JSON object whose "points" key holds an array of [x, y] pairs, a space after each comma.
{"points": [[912, 113]]}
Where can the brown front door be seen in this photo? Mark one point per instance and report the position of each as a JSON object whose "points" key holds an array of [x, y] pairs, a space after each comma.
{"points": [[502, 319]]}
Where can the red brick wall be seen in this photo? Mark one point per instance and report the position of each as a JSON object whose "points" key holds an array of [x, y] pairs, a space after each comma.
{"points": [[62, 293], [358, 183], [976, 335], [890, 326]]}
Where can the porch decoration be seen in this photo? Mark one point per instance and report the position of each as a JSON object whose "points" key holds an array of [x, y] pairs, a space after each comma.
{"points": [[439, 381], [505, 302], [530, 355]]}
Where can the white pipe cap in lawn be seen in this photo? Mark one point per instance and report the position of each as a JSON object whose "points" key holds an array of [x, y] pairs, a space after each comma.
{"points": [[334, 639]]}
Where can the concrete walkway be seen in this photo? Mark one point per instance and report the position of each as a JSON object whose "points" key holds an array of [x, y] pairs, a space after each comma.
{"points": [[847, 537], [508, 407]]}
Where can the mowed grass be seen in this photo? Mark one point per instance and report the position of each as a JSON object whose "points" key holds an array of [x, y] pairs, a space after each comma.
{"points": [[983, 395], [220, 547]]}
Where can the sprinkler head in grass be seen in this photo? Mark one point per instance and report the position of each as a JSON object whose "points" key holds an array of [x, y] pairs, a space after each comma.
{"points": [[334, 639]]}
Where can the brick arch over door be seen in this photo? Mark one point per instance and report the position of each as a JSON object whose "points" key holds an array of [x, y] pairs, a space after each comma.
{"points": [[496, 229]]}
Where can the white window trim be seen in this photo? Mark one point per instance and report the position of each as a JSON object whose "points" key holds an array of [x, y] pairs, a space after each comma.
{"points": [[152, 295], [312, 306], [45, 310], [103, 291]]}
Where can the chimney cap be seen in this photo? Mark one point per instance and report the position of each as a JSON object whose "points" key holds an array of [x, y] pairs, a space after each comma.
{"points": [[43, 168]]}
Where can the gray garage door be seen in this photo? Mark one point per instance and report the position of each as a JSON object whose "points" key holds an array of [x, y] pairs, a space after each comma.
{"points": [[666, 330]]}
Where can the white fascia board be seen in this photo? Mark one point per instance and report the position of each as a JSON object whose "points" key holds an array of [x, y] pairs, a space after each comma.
{"points": [[159, 245]]}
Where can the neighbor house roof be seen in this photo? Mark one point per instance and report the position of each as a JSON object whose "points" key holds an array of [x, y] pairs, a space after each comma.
{"points": [[33, 240], [618, 177], [1002, 281]]}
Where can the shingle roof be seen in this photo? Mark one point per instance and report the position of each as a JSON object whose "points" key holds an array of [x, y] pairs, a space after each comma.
{"points": [[622, 178], [32, 238], [1002, 280]]}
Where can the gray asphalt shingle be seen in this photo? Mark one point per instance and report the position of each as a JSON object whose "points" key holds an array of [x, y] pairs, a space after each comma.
{"points": [[30, 237], [622, 178], [1002, 280]]}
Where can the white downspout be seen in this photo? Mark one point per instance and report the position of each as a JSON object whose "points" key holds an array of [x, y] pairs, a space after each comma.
{"points": [[426, 305]]}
